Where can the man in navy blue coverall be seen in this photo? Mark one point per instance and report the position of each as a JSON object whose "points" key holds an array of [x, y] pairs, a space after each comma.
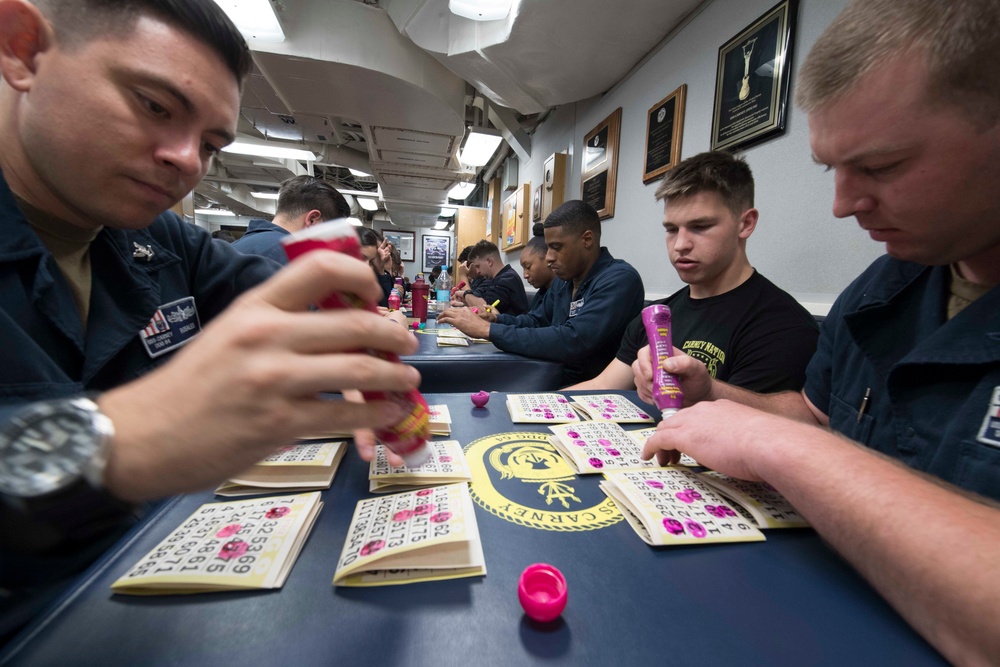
{"points": [[585, 311], [904, 107], [109, 114], [303, 201]]}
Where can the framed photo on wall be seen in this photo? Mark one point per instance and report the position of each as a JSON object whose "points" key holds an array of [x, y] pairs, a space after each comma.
{"points": [[536, 205], [752, 80], [664, 129], [600, 164], [402, 240], [436, 251]]}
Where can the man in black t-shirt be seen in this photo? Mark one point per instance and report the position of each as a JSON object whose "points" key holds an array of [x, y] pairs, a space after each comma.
{"points": [[746, 330], [502, 283]]}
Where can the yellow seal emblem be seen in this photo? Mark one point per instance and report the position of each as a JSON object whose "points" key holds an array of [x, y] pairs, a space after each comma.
{"points": [[521, 478]]}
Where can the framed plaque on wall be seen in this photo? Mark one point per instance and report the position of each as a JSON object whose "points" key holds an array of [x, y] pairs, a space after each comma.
{"points": [[600, 164]]}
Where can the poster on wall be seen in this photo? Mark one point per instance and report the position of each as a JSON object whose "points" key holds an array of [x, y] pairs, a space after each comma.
{"points": [[752, 80], [664, 129], [402, 240], [436, 251], [600, 164]]}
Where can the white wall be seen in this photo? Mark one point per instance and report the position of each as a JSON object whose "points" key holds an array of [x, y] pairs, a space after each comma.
{"points": [[798, 243]]}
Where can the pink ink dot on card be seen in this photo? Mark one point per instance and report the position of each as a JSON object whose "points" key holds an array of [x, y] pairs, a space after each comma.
{"points": [[233, 549], [421, 510], [440, 517], [655, 483], [606, 415], [685, 496], [643, 415], [544, 405], [402, 515], [594, 405], [536, 409], [695, 528], [580, 443], [715, 511], [595, 462], [614, 452], [229, 530], [445, 459], [609, 400], [570, 415], [673, 526], [549, 415], [276, 512], [563, 400], [604, 442], [425, 492], [372, 547], [573, 434]]}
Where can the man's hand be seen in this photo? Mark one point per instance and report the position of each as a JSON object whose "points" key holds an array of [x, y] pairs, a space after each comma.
{"points": [[465, 321], [692, 376], [721, 435], [252, 381]]}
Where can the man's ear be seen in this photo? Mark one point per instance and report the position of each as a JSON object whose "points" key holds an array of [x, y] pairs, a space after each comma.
{"points": [[748, 222], [312, 217], [24, 35], [588, 239]]}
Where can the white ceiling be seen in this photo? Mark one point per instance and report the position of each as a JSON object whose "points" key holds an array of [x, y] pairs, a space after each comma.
{"points": [[389, 86]]}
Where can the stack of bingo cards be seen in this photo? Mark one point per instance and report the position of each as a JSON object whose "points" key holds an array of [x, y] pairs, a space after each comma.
{"points": [[306, 466], [599, 446], [440, 419], [540, 409], [228, 546], [767, 507], [446, 465], [404, 538], [611, 407], [452, 337], [673, 506]]}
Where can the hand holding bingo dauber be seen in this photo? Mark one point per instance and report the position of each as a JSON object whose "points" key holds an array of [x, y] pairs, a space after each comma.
{"points": [[489, 308]]}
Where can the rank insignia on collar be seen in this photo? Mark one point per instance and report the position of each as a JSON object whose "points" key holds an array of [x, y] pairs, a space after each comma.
{"points": [[142, 251]]}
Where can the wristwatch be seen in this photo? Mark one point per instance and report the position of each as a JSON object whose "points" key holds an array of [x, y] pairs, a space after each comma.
{"points": [[51, 446]]}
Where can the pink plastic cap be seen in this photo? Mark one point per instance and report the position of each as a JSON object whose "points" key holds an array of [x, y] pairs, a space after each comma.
{"points": [[542, 592], [480, 399]]}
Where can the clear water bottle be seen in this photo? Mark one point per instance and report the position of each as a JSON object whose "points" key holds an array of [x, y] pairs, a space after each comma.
{"points": [[443, 286]]}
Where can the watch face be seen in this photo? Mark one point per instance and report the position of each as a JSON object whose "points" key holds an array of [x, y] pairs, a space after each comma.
{"points": [[45, 448]]}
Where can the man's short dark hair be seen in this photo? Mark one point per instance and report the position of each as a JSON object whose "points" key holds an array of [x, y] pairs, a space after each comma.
{"points": [[715, 171], [576, 216], [301, 194], [484, 249], [463, 256], [78, 21]]}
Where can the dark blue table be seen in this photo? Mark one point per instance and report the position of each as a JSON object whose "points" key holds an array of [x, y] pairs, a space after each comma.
{"points": [[787, 601], [480, 366]]}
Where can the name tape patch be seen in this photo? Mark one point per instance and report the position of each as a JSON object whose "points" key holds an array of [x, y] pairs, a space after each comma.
{"points": [[173, 324]]}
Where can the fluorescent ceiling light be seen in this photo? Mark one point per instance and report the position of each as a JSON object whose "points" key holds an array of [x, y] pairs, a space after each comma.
{"points": [[213, 211], [355, 222], [448, 211], [481, 10], [461, 191], [441, 224], [359, 173], [264, 195], [269, 150], [480, 146], [368, 203], [255, 19]]}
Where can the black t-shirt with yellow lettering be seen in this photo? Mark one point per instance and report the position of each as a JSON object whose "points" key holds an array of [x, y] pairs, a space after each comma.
{"points": [[755, 336]]}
